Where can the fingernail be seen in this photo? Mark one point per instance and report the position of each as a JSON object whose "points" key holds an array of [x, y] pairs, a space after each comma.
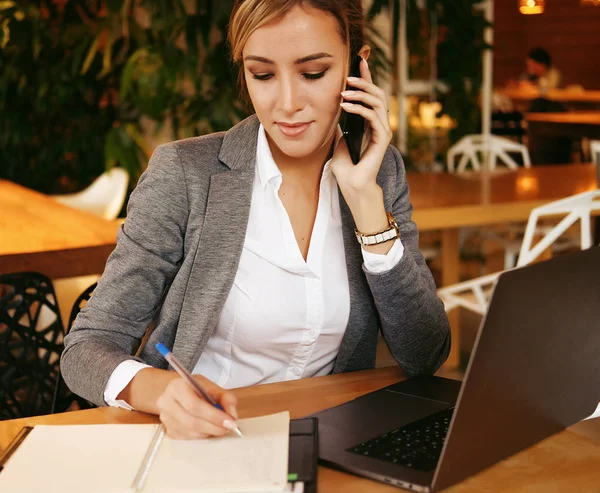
{"points": [[353, 79], [233, 412], [230, 425], [346, 105], [348, 93]]}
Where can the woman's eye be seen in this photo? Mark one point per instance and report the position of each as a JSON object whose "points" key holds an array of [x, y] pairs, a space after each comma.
{"points": [[262, 76], [306, 75], [314, 76]]}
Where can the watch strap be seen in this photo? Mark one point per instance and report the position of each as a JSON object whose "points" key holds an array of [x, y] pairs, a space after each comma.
{"points": [[390, 233]]}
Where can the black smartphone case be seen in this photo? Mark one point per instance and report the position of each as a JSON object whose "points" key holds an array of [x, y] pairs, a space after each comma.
{"points": [[353, 126]]}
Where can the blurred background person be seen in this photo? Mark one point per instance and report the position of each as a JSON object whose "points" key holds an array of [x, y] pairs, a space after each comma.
{"points": [[540, 73]]}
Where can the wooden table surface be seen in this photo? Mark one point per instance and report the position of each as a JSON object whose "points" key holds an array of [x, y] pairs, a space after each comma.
{"points": [[444, 200], [38, 233], [448, 202], [565, 462]]}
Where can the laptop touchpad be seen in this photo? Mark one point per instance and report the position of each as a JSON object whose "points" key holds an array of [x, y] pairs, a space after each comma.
{"points": [[377, 413], [430, 387]]}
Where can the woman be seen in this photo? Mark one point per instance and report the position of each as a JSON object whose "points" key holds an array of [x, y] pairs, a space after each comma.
{"points": [[248, 239]]}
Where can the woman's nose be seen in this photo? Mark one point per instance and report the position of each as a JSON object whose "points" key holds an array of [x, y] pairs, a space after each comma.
{"points": [[290, 96]]}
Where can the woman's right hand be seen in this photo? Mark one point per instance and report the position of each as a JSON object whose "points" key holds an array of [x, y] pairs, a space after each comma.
{"points": [[188, 416]]}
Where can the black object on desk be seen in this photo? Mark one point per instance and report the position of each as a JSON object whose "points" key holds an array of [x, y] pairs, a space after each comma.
{"points": [[304, 452]]}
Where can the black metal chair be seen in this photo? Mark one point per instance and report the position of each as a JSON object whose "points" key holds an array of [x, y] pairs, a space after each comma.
{"points": [[64, 399], [31, 342]]}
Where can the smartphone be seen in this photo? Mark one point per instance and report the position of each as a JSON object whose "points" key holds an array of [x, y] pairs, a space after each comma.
{"points": [[352, 125]]}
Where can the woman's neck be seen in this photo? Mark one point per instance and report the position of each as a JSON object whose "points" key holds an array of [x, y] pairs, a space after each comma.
{"points": [[305, 171]]}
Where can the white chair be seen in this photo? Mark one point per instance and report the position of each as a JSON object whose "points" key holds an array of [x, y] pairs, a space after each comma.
{"points": [[474, 294], [104, 197], [470, 146], [575, 208]]}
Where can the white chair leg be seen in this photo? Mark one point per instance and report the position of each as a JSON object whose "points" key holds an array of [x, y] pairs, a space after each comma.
{"points": [[509, 161], [510, 259], [586, 232]]}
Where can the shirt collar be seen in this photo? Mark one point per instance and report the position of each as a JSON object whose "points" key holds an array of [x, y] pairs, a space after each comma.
{"points": [[267, 167]]}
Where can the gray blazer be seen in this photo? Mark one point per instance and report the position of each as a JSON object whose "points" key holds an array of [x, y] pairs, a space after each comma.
{"points": [[184, 233]]}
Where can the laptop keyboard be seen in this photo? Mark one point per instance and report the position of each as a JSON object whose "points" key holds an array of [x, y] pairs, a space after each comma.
{"points": [[417, 445]]}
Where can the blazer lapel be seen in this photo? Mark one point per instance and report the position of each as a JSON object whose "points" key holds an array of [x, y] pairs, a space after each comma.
{"points": [[220, 244]]}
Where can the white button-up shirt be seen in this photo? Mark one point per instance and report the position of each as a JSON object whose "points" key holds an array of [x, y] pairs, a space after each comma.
{"points": [[285, 317]]}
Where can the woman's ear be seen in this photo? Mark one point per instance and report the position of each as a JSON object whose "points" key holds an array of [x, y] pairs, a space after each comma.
{"points": [[365, 51]]}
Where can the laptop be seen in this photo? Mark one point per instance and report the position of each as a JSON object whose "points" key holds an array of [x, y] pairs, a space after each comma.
{"points": [[534, 371]]}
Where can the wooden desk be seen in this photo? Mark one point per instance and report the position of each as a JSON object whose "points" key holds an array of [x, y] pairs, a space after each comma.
{"points": [[551, 134], [565, 462], [38, 233], [447, 202]]}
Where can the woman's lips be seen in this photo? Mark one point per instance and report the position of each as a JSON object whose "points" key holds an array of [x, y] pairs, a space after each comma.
{"points": [[292, 129]]}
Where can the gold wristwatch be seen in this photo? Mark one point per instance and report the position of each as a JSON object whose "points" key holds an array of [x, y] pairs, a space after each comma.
{"points": [[393, 231]]}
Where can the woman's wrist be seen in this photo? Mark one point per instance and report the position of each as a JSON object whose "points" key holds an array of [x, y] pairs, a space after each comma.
{"points": [[369, 214], [367, 208], [145, 388]]}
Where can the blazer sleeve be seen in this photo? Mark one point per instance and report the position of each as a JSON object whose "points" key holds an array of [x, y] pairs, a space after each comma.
{"points": [[149, 251], [413, 320]]}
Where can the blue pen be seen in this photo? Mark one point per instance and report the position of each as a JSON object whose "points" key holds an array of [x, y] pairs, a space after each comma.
{"points": [[179, 368]]}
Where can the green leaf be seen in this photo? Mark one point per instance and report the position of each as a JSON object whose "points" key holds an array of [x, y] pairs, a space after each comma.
{"points": [[111, 149], [106, 57], [90, 56], [138, 139], [76, 61], [128, 72]]}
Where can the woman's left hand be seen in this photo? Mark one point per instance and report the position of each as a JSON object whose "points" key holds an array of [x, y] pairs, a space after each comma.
{"points": [[352, 178]]}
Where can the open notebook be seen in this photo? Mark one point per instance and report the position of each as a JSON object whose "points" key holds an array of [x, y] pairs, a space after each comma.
{"points": [[109, 458]]}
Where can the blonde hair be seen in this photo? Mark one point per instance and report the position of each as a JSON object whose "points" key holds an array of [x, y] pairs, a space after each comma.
{"points": [[249, 15]]}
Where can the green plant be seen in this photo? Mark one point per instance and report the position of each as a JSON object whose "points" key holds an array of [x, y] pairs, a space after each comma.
{"points": [[51, 119], [78, 77]]}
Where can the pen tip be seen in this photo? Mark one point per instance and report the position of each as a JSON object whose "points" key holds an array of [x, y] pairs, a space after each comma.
{"points": [[238, 433]]}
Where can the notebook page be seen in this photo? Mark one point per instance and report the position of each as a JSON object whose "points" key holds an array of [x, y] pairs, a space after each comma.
{"points": [[257, 462], [77, 459]]}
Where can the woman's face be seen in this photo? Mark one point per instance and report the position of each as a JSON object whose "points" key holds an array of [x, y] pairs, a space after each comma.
{"points": [[295, 70]]}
